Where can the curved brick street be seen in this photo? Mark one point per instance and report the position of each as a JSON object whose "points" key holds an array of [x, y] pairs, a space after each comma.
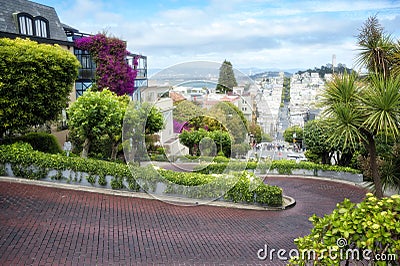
{"points": [[42, 225]]}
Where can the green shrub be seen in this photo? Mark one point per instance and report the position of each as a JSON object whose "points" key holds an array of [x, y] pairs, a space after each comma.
{"points": [[241, 186], [251, 189], [3, 171], [29, 173], [39, 141], [186, 178], [372, 225], [159, 157], [117, 183], [22, 154], [91, 179], [282, 166], [102, 180]]}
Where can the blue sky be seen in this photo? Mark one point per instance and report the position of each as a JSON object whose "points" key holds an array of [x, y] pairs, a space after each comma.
{"points": [[250, 33]]}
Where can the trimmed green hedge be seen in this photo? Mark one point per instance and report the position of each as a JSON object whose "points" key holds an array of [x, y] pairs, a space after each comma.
{"points": [[39, 141], [282, 166], [23, 154], [241, 186]]}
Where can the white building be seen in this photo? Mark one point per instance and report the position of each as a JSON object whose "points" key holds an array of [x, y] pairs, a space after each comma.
{"points": [[168, 139], [304, 92]]}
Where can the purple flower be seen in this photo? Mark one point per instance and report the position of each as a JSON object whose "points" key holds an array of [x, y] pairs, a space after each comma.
{"points": [[112, 70]]}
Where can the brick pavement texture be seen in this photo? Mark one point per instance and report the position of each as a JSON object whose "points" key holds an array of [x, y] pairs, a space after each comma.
{"points": [[51, 226]]}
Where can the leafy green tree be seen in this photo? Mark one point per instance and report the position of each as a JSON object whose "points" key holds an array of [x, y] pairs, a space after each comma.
{"points": [[35, 82], [226, 79], [226, 116], [256, 131], [368, 229], [223, 141], [95, 114], [114, 131], [154, 121], [288, 133], [192, 139], [186, 110], [240, 149], [316, 136], [140, 119], [266, 137]]}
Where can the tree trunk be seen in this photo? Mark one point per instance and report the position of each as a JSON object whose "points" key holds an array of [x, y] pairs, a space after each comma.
{"points": [[114, 150], [86, 146], [374, 166]]}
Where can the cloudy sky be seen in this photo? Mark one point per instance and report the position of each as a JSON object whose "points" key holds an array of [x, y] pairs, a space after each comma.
{"points": [[287, 34]]}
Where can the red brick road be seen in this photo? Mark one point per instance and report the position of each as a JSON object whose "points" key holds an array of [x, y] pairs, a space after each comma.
{"points": [[50, 226]]}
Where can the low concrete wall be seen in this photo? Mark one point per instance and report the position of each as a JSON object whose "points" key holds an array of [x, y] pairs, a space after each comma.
{"points": [[345, 176]]}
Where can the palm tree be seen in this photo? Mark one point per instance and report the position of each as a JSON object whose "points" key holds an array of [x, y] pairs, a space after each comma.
{"points": [[376, 48], [340, 101], [361, 110]]}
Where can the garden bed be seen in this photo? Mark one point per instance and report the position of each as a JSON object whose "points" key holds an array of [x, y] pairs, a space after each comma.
{"points": [[21, 160]]}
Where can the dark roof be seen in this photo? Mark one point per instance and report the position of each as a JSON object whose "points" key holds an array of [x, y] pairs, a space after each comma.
{"points": [[69, 28], [8, 24]]}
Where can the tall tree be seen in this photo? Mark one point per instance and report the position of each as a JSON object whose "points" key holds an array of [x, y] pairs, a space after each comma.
{"points": [[376, 47], [186, 110], [35, 82], [226, 116], [226, 79], [316, 139], [361, 111]]}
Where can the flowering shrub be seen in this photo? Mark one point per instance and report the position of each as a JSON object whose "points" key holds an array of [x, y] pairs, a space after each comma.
{"points": [[180, 126], [112, 70], [366, 231]]}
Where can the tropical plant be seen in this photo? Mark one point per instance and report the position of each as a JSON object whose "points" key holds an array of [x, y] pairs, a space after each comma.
{"points": [[376, 48], [360, 111]]}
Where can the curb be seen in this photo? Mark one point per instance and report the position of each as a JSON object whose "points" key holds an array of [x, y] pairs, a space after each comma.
{"points": [[361, 185], [288, 202]]}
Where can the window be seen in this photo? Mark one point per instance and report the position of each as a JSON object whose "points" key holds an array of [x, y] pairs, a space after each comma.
{"points": [[34, 26], [41, 26], [25, 24]]}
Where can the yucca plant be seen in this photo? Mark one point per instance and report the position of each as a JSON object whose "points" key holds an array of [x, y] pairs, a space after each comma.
{"points": [[361, 110]]}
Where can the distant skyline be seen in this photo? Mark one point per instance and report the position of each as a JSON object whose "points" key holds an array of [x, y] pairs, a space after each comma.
{"points": [[264, 34]]}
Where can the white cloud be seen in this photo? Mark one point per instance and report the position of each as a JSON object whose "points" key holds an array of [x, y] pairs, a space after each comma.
{"points": [[259, 33]]}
